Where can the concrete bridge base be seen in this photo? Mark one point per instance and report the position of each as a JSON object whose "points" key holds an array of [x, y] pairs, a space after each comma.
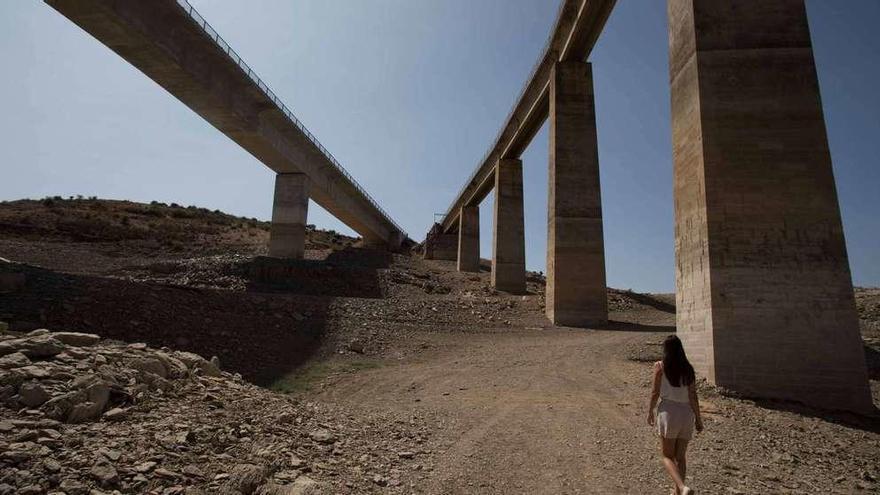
{"points": [[764, 295], [508, 239], [469, 239], [287, 235], [576, 292]]}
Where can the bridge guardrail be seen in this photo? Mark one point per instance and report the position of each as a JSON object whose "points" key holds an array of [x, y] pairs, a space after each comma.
{"points": [[221, 43], [522, 91]]}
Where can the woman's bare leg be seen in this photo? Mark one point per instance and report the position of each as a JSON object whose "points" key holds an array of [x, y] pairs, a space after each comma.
{"points": [[681, 445], [669, 462]]}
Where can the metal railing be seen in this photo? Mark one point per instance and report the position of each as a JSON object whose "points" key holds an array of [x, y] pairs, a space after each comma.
{"points": [[215, 36], [544, 52]]}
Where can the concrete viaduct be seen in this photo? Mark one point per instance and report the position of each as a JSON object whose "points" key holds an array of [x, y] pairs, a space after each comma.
{"points": [[764, 299], [173, 45]]}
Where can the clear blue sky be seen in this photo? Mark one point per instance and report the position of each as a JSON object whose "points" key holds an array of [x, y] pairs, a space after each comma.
{"points": [[408, 95]]}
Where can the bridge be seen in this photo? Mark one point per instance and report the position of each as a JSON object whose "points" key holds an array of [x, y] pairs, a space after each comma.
{"points": [[764, 298], [174, 46]]}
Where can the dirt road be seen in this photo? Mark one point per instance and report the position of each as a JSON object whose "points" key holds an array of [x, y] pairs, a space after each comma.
{"points": [[563, 411], [542, 411]]}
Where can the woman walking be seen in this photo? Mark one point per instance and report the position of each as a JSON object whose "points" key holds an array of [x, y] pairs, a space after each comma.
{"points": [[678, 412]]}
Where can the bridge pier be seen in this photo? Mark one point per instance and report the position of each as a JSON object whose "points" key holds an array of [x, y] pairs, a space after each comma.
{"points": [[287, 235], [508, 237], [576, 291], [764, 294], [469, 239]]}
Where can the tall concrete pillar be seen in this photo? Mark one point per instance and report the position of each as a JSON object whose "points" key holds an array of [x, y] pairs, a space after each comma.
{"points": [[469, 239], [764, 295], [508, 236], [576, 292], [288, 232]]}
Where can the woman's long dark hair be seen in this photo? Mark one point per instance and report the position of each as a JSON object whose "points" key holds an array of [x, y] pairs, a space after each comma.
{"points": [[676, 367]]}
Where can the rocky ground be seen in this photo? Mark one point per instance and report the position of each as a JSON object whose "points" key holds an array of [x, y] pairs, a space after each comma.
{"points": [[398, 375], [83, 415]]}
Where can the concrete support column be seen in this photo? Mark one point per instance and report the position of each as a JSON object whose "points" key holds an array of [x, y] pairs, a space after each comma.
{"points": [[576, 292], [288, 232], [764, 295], [508, 236], [469, 239]]}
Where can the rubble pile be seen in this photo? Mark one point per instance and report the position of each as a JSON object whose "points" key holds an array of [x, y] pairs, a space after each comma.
{"points": [[81, 415]]}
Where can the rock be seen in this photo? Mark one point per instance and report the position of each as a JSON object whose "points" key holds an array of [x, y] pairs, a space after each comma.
{"points": [[14, 360], [149, 365], [76, 339], [73, 487], [81, 405], [307, 486], [246, 478], [115, 414], [406, 455], [32, 394], [198, 363], [40, 346], [145, 467], [51, 465], [193, 471], [356, 346], [322, 435], [164, 473], [105, 474]]}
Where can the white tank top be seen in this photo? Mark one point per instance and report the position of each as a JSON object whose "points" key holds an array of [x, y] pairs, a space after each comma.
{"points": [[674, 394]]}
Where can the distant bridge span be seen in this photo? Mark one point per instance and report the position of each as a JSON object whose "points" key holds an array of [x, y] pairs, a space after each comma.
{"points": [[174, 46]]}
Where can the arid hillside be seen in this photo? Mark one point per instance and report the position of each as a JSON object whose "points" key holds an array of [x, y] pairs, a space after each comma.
{"points": [[153, 349]]}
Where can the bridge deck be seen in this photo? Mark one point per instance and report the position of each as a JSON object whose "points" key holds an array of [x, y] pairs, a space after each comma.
{"points": [[577, 27], [174, 46]]}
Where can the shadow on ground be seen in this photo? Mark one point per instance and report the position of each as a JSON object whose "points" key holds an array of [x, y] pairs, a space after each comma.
{"points": [[351, 272], [624, 326], [264, 333], [849, 420]]}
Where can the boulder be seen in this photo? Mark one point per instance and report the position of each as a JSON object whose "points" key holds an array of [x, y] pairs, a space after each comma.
{"points": [[149, 365], [105, 474], [39, 346], [76, 339], [246, 478], [14, 360], [81, 405], [32, 394], [198, 363]]}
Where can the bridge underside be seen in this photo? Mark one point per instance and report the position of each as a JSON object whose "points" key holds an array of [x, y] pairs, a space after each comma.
{"points": [[764, 294], [166, 41]]}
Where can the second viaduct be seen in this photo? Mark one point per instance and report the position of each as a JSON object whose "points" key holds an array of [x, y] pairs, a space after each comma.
{"points": [[764, 299]]}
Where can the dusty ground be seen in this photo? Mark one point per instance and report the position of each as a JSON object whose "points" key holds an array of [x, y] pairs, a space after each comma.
{"points": [[515, 406]]}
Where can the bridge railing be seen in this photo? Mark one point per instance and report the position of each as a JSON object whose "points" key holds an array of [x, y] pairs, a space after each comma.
{"points": [[214, 35], [494, 143]]}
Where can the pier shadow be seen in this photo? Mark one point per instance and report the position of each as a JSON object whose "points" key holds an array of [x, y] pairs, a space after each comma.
{"points": [[263, 335], [625, 326]]}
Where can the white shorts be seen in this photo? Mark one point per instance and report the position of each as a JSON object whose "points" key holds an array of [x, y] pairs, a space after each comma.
{"points": [[675, 420]]}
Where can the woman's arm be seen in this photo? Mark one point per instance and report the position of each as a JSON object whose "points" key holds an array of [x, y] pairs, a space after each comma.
{"points": [[655, 391], [695, 406]]}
